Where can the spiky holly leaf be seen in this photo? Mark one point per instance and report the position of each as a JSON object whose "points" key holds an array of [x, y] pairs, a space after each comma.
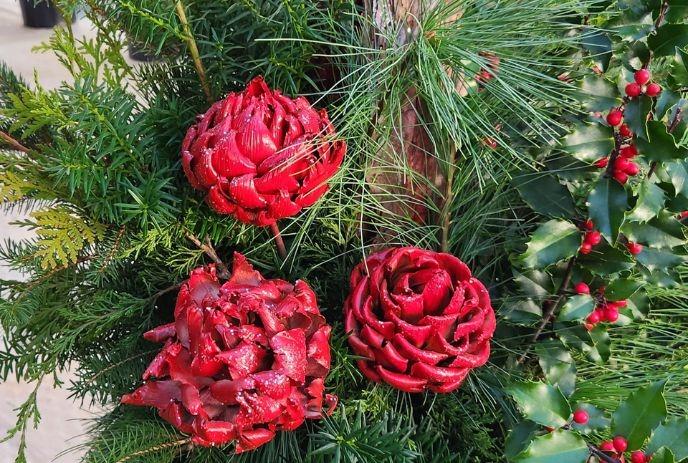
{"points": [[621, 288], [639, 414], [599, 45], [589, 142], [663, 455], [545, 195], [635, 115], [660, 145], [594, 344], [606, 260], [519, 438], [607, 204], [598, 94], [557, 364], [672, 434], [525, 312], [678, 174], [560, 446], [552, 242], [576, 308], [664, 231], [655, 259], [541, 403], [534, 283], [667, 38], [650, 201]]}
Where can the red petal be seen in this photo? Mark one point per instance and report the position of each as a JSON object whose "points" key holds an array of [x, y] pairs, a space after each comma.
{"points": [[437, 292], [156, 394], [412, 352], [289, 348], [319, 352], [272, 383], [160, 333], [255, 139], [228, 160], [219, 432], [243, 360], [226, 390], [206, 362], [243, 192], [249, 440], [202, 166], [401, 381], [243, 273], [390, 358], [191, 399], [450, 386], [437, 374]]}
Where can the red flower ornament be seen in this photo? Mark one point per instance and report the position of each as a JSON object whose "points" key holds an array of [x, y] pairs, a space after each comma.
{"points": [[419, 319], [241, 360], [261, 156]]}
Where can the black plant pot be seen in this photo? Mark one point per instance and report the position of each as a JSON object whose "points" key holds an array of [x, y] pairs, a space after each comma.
{"points": [[42, 14], [138, 54]]}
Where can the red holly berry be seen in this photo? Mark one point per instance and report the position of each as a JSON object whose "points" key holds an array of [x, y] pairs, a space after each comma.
{"points": [[653, 90], [585, 248], [580, 416], [594, 318], [621, 163], [607, 446], [631, 168], [620, 176], [633, 90], [637, 457], [620, 444], [582, 288], [602, 163], [628, 151], [634, 248], [614, 117], [593, 238], [589, 224], [618, 304], [611, 314], [642, 76], [683, 215], [588, 326], [625, 131]]}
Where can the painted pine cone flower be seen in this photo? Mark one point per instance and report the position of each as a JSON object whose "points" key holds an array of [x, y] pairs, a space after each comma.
{"points": [[261, 156], [419, 319], [241, 360]]}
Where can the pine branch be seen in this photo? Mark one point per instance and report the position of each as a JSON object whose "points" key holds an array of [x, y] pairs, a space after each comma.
{"points": [[193, 49], [13, 143]]}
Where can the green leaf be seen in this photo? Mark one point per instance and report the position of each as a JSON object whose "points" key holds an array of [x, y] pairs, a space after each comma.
{"points": [[560, 446], [655, 259], [598, 94], [660, 145], [594, 344], [599, 45], [525, 313], [678, 174], [607, 204], [667, 38], [557, 365], [672, 434], [545, 195], [664, 231], [519, 438], [651, 199], [534, 283], [541, 403], [596, 419], [605, 260], [679, 67], [552, 242], [589, 142], [639, 414], [635, 115], [663, 455], [621, 288], [576, 308]]}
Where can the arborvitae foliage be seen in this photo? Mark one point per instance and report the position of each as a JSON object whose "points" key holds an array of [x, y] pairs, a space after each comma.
{"points": [[96, 163]]}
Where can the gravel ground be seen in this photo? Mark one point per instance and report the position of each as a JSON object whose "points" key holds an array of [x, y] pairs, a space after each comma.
{"points": [[63, 421]]}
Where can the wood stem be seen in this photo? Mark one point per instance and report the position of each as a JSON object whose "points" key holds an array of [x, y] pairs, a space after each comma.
{"points": [[13, 143], [193, 50], [209, 251], [279, 242]]}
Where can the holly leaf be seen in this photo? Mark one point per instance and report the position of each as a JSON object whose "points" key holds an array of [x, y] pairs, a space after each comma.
{"points": [[621, 288], [664, 231], [552, 242], [607, 204], [560, 446], [678, 174], [660, 145], [650, 201], [679, 67], [667, 38], [605, 260], [663, 455], [519, 438], [576, 308], [598, 94], [534, 283], [655, 259], [588, 143], [545, 195], [639, 414], [594, 344], [541, 403], [599, 45], [635, 115], [557, 365], [672, 434], [524, 313], [596, 419]]}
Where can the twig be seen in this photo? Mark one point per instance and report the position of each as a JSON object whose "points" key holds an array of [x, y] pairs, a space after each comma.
{"points": [[209, 251], [601, 455], [156, 448], [279, 241], [164, 291], [193, 49], [13, 143], [446, 207], [550, 306]]}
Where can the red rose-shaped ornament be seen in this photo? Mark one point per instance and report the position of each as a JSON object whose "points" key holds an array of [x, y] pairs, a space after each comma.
{"points": [[419, 318], [241, 360], [261, 156]]}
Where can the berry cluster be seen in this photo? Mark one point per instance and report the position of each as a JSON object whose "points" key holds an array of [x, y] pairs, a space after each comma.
{"points": [[605, 311], [642, 85], [618, 445], [591, 237], [623, 167]]}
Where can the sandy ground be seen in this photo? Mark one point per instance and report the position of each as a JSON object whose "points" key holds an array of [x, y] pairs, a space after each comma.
{"points": [[63, 421]]}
